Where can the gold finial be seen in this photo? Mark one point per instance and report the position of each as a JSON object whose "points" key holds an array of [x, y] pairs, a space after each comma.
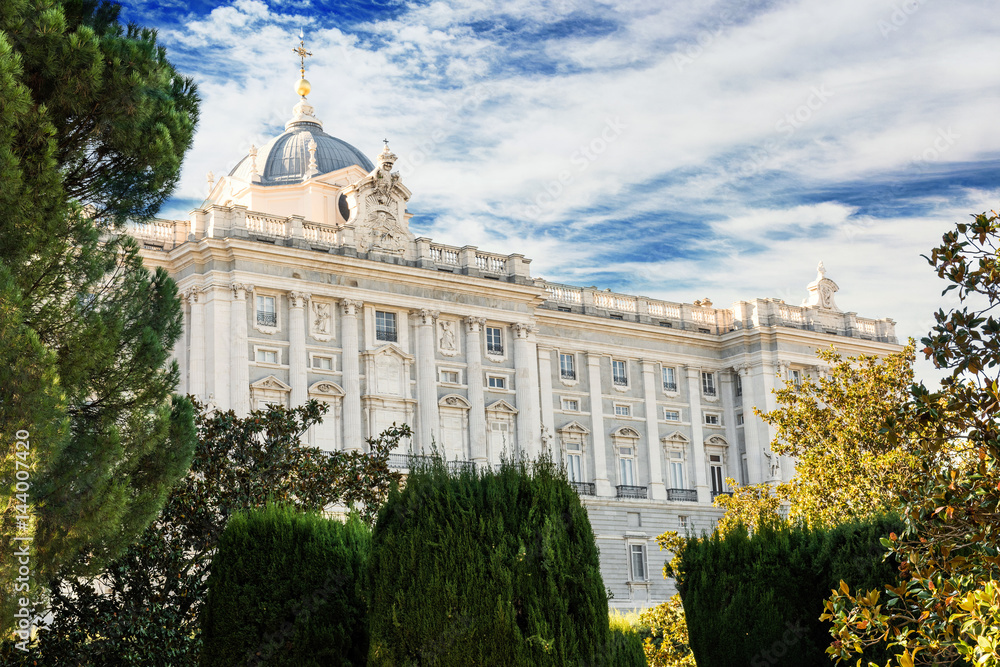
{"points": [[303, 87]]}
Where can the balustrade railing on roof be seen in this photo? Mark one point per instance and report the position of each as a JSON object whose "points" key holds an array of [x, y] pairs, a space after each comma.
{"points": [[321, 234], [268, 225], [491, 263], [619, 302]]}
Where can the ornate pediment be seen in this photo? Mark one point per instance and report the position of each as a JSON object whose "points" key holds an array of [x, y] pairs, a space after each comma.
{"points": [[675, 438], [716, 440], [270, 383], [390, 349], [325, 388], [501, 406], [625, 432], [454, 401], [573, 427]]}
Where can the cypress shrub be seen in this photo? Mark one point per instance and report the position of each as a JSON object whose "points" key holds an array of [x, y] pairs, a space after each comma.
{"points": [[756, 600], [624, 643], [486, 568], [286, 589]]}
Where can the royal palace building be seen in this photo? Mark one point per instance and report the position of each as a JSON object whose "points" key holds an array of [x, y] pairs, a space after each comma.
{"points": [[302, 280]]}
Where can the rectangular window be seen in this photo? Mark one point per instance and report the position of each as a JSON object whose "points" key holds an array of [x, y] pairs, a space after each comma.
{"points": [[323, 363], [739, 419], [797, 378], [712, 420], [267, 316], [570, 405], [619, 373], [574, 467], [739, 384], [672, 415], [385, 326], [267, 356], [623, 411], [669, 379], [682, 522], [677, 470], [496, 382], [494, 340], [567, 367], [708, 384], [627, 471], [638, 562], [718, 485], [449, 377]]}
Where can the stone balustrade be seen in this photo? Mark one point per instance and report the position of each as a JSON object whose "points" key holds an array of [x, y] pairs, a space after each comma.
{"points": [[706, 319], [237, 222]]}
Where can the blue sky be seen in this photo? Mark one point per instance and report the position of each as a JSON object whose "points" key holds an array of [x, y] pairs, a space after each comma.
{"points": [[677, 150]]}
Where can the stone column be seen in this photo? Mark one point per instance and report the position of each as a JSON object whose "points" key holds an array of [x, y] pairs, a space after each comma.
{"points": [[182, 347], [298, 361], [768, 374], [477, 398], [427, 415], [526, 392], [196, 376], [698, 434], [756, 461], [602, 486], [729, 414], [238, 364], [547, 416], [657, 490], [353, 439]]}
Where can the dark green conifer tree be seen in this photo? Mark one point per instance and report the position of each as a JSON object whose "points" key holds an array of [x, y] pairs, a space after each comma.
{"points": [[93, 125], [486, 568]]}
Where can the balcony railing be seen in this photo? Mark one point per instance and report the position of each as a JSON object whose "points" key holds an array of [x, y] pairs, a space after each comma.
{"points": [[684, 495], [669, 386], [567, 375], [266, 319], [620, 380], [386, 335], [494, 348], [584, 488], [411, 461], [708, 391], [716, 494], [626, 491]]}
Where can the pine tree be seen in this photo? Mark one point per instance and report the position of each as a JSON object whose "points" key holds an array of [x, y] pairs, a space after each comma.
{"points": [[93, 125]]}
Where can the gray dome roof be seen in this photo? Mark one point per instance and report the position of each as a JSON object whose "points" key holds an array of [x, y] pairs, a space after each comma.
{"points": [[285, 159]]}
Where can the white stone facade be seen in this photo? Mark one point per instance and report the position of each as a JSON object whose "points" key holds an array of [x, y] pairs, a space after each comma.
{"points": [[293, 293]]}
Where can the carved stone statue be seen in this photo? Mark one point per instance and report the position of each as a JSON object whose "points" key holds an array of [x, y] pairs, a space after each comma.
{"points": [[447, 335], [321, 318], [774, 464]]}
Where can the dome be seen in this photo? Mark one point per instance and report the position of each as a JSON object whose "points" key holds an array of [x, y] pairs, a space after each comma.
{"points": [[285, 159]]}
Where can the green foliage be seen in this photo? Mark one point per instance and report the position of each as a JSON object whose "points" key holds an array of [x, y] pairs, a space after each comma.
{"points": [[286, 589], [93, 125], [945, 611], [624, 643], [667, 644], [756, 599], [146, 611], [486, 568]]}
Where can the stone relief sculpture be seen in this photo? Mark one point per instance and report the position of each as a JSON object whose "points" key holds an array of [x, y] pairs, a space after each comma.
{"points": [[821, 291], [321, 318], [447, 339], [383, 196]]}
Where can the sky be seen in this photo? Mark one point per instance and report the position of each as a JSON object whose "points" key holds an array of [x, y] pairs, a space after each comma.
{"points": [[673, 149]]}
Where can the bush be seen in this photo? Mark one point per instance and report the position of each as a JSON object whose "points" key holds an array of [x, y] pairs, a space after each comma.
{"points": [[486, 568], [625, 642], [285, 589], [757, 599]]}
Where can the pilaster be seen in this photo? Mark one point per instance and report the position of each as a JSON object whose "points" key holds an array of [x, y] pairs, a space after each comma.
{"points": [[474, 380], [547, 415], [698, 434], [428, 420], [526, 392], [353, 437], [297, 357], [239, 366], [196, 370], [657, 490], [602, 485]]}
